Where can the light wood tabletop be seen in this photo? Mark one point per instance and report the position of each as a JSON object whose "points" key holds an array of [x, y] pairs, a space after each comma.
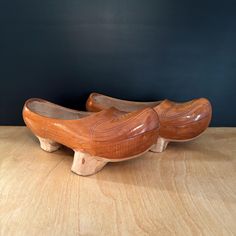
{"points": [[190, 189]]}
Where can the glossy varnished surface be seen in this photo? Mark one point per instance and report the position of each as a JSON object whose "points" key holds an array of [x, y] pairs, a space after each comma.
{"points": [[110, 133], [178, 121], [190, 189], [183, 121]]}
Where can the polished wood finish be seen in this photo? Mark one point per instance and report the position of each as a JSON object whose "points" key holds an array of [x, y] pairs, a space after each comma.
{"points": [[178, 121], [109, 135], [98, 102], [190, 189]]}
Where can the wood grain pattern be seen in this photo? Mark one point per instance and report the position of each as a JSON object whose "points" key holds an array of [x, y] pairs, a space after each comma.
{"points": [[190, 189], [178, 121]]}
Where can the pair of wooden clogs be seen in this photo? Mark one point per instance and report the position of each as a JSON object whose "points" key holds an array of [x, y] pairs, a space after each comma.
{"points": [[114, 130]]}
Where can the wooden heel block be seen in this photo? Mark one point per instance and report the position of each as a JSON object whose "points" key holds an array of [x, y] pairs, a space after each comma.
{"points": [[48, 145], [85, 164], [160, 145]]}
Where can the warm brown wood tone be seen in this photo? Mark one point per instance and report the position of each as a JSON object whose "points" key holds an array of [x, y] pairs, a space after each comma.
{"points": [[190, 189], [109, 135], [179, 121]]}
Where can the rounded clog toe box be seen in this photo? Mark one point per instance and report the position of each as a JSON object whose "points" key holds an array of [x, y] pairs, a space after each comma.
{"points": [[184, 121]]}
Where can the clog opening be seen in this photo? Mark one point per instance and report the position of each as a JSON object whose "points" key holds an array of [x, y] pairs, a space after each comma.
{"points": [[122, 105], [51, 110]]}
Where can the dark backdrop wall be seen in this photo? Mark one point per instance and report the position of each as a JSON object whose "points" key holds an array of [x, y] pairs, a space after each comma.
{"points": [[62, 50]]}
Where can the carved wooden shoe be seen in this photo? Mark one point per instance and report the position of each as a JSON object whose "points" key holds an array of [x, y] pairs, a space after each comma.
{"points": [[179, 122], [107, 136]]}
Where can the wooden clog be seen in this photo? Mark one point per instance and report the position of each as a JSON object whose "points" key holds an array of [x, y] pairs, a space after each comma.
{"points": [[178, 121], [107, 136]]}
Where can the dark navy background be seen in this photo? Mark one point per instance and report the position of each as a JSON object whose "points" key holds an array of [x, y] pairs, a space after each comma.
{"points": [[62, 50]]}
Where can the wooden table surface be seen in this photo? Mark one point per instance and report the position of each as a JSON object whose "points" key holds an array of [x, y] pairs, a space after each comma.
{"points": [[190, 189]]}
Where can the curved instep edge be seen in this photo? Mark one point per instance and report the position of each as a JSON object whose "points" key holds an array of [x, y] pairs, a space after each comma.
{"points": [[97, 138], [179, 122]]}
